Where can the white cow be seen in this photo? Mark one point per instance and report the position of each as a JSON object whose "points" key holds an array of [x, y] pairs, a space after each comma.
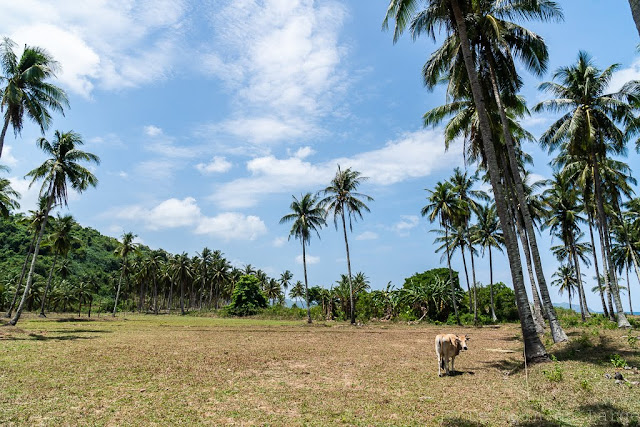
{"points": [[448, 346]]}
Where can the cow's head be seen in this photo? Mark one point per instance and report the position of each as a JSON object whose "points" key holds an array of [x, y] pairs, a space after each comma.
{"points": [[462, 342]]}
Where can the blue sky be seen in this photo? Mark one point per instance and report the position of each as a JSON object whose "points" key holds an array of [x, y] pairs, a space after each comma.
{"points": [[208, 116]]}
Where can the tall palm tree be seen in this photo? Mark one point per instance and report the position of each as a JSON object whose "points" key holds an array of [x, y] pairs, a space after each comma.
{"points": [[566, 280], [589, 129], [449, 15], [206, 259], [127, 247], [25, 90], [8, 196], [285, 280], [307, 216], [34, 221], [182, 272], [297, 291], [57, 172], [444, 206], [341, 197], [635, 11], [486, 233], [563, 218], [61, 240], [625, 250]]}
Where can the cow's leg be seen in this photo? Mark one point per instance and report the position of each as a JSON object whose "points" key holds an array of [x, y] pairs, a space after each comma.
{"points": [[446, 366], [453, 360], [439, 365]]}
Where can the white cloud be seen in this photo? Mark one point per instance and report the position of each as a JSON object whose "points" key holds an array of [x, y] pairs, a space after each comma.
{"points": [[176, 213], [367, 235], [28, 196], [157, 169], [232, 226], [108, 44], [217, 165], [406, 223], [298, 85], [152, 130], [123, 174], [413, 155], [310, 259], [7, 157], [624, 75], [279, 242]]}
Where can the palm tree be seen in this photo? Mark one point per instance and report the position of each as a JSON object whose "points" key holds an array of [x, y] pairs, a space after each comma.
{"points": [[206, 259], [625, 250], [61, 168], [273, 290], [8, 196], [563, 219], [61, 240], [297, 291], [444, 206], [341, 197], [181, 271], [307, 215], [635, 11], [589, 130], [126, 247], [450, 16], [566, 280], [24, 89], [486, 233], [285, 280]]}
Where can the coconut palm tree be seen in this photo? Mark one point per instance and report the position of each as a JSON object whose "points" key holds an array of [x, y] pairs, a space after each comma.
{"points": [[8, 196], [182, 272], [61, 240], [341, 198], [285, 280], [444, 206], [566, 280], [25, 90], [57, 172], [486, 233], [127, 247], [563, 218], [635, 11], [307, 216], [297, 291], [450, 16], [589, 129]]}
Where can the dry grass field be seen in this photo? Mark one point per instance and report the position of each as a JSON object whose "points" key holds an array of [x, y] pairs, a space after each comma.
{"points": [[170, 370]]}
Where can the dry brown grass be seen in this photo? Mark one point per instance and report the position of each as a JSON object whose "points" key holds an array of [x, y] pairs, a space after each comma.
{"points": [[168, 370]]}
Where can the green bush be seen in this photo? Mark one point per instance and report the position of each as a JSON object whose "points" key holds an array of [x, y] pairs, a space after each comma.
{"points": [[247, 298]]}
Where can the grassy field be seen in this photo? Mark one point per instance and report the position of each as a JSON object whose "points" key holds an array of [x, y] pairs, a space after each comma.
{"points": [[169, 370]]}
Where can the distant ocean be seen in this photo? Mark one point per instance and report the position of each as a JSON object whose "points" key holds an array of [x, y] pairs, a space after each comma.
{"points": [[576, 307]]}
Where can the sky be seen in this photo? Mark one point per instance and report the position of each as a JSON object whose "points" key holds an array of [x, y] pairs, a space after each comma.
{"points": [[209, 116]]}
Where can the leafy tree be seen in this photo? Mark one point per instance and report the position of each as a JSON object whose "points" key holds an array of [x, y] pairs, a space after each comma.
{"points": [[63, 166], [341, 197], [247, 297], [24, 90], [307, 216], [8, 196]]}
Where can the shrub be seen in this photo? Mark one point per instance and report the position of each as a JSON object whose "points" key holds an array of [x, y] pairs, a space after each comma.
{"points": [[556, 373], [247, 298], [617, 361]]}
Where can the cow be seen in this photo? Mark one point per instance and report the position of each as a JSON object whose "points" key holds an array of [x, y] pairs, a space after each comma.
{"points": [[448, 346]]}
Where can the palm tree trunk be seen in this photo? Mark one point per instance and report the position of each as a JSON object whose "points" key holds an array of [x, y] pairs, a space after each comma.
{"points": [[5, 126], [306, 285], [182, 296], [453, 288], [27, 287], [170, 301], [534, 349], [22, 273], [602, 219], [607, 277], [595, 264], [493, 309], [155, 293], [115, 306], [581, 293], [576, 267], [46, 289], [635, 265], [466, 274], [475, 291], [346, 244], [538, 314], [557, 332], [635, 11]]}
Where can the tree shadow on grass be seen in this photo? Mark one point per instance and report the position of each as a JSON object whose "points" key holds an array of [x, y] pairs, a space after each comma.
{"points": [[75, 319], [39, 337], [461, 422], [79, 330], [609, 415], [582, 349]]}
